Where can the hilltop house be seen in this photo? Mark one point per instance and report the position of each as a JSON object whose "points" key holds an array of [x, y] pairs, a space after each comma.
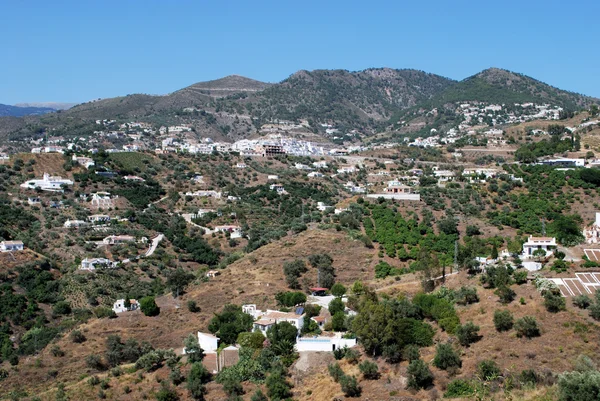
{"points": [[47, 183], [11, 246], [272, 317]]}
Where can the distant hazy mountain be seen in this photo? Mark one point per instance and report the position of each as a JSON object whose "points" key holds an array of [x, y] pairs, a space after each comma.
{"points": [[16, 111], [51, 105]]}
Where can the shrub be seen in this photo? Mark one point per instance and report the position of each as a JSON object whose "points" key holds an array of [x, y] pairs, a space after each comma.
{"points": [[193, 306], [335, 371], [290, 298], [579, 386], [554, 302], [77, 336], [503, 320], [467, 334], [103, 311], [166, 393], [459, 388], [446, 357], [506, 294], [196, 380], [520, 276], [528, 376], [466, 295], [148, 306], [595, 310], [352, 356], [419, 375], [350, 386], [369, 369], [61, 308], [57, 351], [339, 353], [411, 353], [94, 362], [527, 327], [488, 370], [582, 301]]}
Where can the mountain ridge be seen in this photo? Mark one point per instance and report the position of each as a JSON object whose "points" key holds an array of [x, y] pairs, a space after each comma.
{"points": [[368, 101]]}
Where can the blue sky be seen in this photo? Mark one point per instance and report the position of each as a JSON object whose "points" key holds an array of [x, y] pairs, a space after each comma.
{"points": [[75, 51]]}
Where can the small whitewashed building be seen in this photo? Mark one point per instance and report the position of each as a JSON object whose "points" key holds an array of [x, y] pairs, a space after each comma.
{"points": [[75, 224], [119, 305], [272, 317], [11, 246], [315, 174], [96, 263], [99, 218], [234, 231], [212, 273], [272, 177], [548, 244]]}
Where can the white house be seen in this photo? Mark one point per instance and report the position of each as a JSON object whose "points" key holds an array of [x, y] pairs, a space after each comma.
{"points": [[11, 246], [234, 231], [99, 218], [118, 239], [87, 162], [592, 233], [323, 207], [346, 170], [278, 188], [273, 317], [548, 244], [208, 342], [119, 305], [315, 174], [47, 183], [94, 263], [75, 224], [272, 177]]}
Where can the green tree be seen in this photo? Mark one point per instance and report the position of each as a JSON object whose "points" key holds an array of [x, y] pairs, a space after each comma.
{"points": [[338, 290], [192, 348], [446, 357], [467, 334], [336, 305], [278, 387], [178, 279], [148, 306], [196, 381], [579, 386], [350, 386], [369, 369], [419, 375], [503, 320], [527, 327]]}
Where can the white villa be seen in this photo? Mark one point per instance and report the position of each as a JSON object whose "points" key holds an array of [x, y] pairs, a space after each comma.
{"points": [[94, 263], [11, 246], [325, 344], [86, 162], [47, 183], [548, 244], [267, 319]]}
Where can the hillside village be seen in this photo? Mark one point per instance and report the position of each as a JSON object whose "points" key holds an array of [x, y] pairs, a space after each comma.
{"points": [[312, 260]]}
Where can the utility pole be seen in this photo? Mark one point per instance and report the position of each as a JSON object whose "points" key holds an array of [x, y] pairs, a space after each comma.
{"points": [[456, 255]]}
